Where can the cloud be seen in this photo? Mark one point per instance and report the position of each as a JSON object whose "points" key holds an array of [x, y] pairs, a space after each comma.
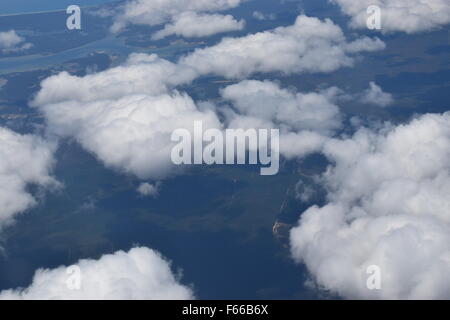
{"points": [[286, 108], [152, 13], [408, 16], [149, 190], [191, 24], [125, 115], [305, 120], [388, 206], [24, 160], [309, 45], [10, 41], [302, 143], [140, 74], [376, 96], [258, 15], [139, 274], [131, 134]]}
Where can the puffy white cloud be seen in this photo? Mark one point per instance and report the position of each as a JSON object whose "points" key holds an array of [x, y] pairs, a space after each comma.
{"points": [[309, 45], [191, 24], [305, 120], [125, 115], [376, 96], [296, 111], [139, 274], [388, 206], [10, 41], [141, 74], [399, 15], [149, 190], [130, 134], [24, 160], [302, 143], [151, 12]]}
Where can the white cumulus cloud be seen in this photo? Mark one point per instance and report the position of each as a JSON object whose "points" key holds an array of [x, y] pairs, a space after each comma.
{"points": [[305, 120], [125, 115], [376, 96], [151, 12], [285, 108], [408, 16], [24, 160], [309, 45], [139, 274], [191, 24], [388, 206], [10, 41]]}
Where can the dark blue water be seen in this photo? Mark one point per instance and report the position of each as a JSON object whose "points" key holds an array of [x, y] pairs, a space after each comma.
{"points": [[27, 6]]}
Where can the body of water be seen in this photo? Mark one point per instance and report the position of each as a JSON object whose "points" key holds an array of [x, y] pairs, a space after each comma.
{"points": [[27, 6]]}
